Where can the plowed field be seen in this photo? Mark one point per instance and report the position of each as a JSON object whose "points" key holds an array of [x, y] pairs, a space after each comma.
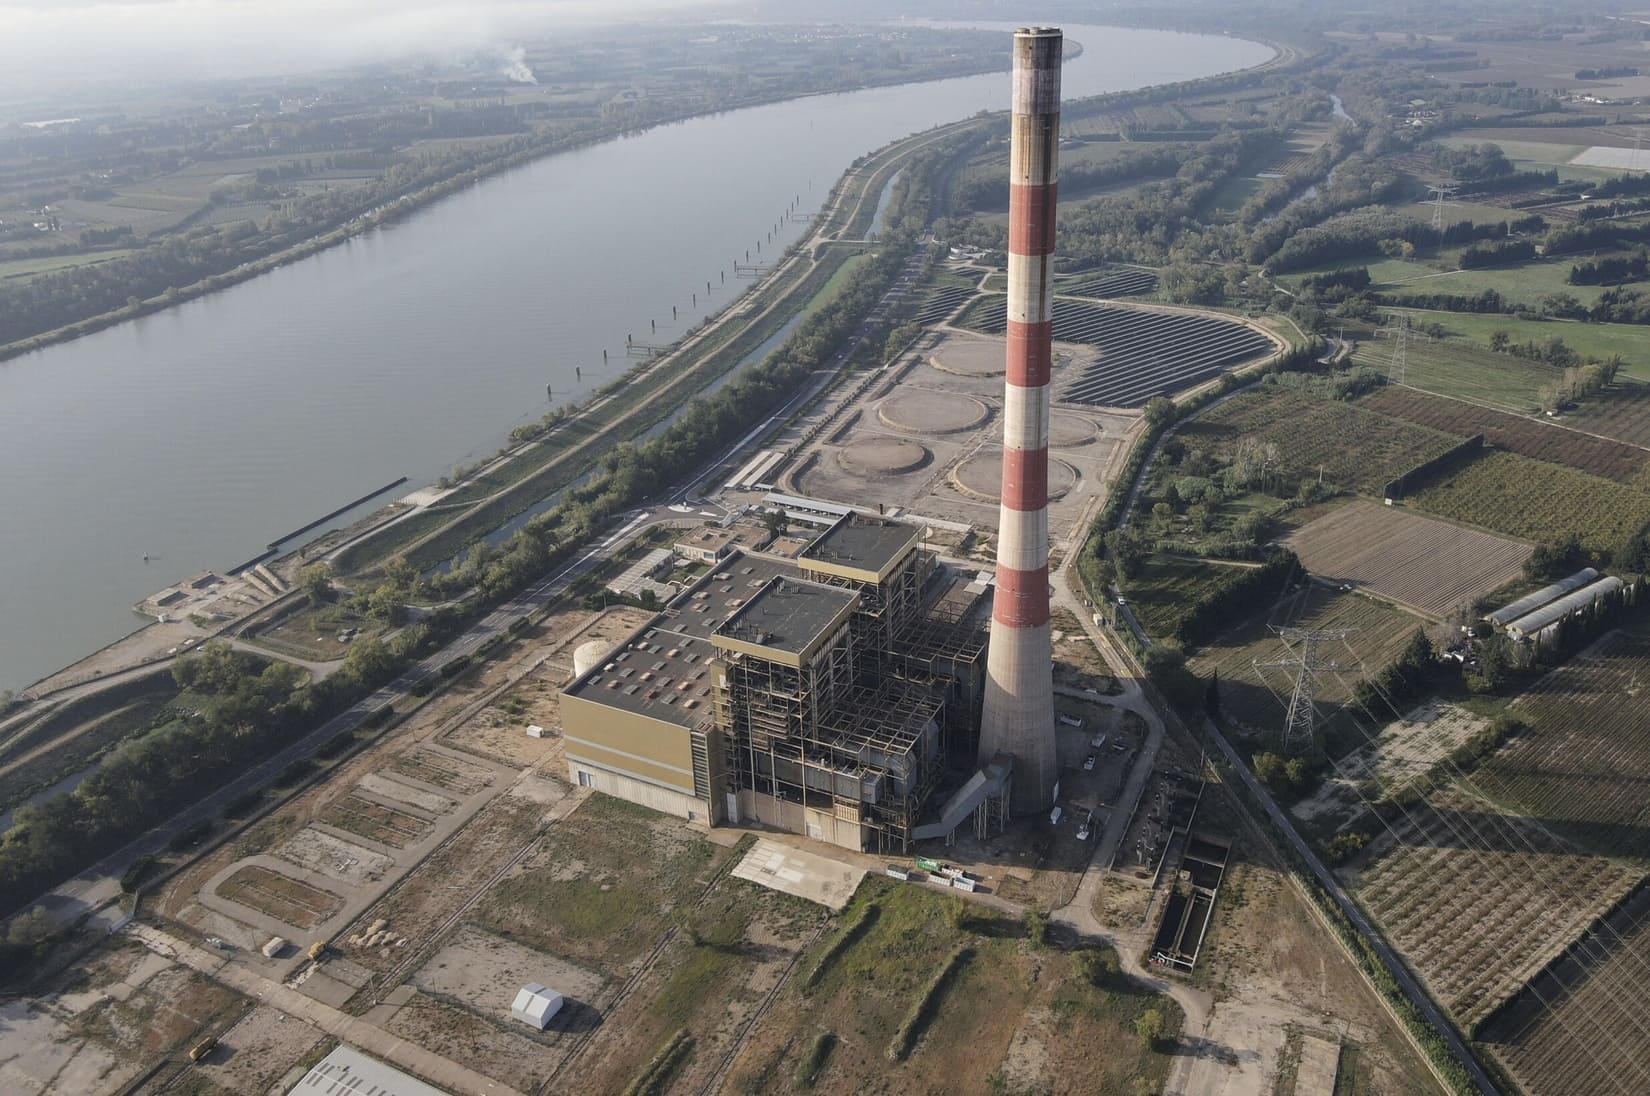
{"points": [[1430, 566]]}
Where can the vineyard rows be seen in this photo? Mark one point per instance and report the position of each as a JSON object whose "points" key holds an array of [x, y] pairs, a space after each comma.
{"points": [[1430, 566], [1537, 501], [1480, 902], [1584, 1028], [1613, 460], [1584, 768], [1354, 447]]}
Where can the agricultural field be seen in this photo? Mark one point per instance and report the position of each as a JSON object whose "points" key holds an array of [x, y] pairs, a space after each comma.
{"points": [[1582, 770], [1007, 1018], [1249, 700], [1536, 501], [1525, 283], [1351, 445], [1528, 437], [1624, 414], [1462, 370], [1581, 1025], [1430, 566], [376, 821], [1590, 340], [1143, 353], [1439, 881]]}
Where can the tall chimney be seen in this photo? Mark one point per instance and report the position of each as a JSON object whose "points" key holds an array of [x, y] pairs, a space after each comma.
{"points": [[1019, 690]]}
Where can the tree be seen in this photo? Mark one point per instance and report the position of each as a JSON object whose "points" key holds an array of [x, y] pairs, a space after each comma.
{"points": [[316, 582], [1150, 1027], [1159, 412], [1271, 771], [1037, 927]]}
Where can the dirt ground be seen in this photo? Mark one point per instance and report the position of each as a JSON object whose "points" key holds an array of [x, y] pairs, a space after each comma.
{"points": [[103, 1022], [259, 1051]]}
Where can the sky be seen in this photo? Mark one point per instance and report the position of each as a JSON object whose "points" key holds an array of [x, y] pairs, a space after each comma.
{"points": [[50, 44]]}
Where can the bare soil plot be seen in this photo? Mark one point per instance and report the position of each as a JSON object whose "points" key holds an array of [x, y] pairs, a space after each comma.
{"points": [[443, 770], [1529, 437], [1625, 414], [1441, 883], [386, 788], [605, 884], [375, 821], [329, 854], [280, 896], [257, 1052], [1402, 753], [507, 1049], [1430, 566], [711, 980], [1269, 964], [1008, 1019]]}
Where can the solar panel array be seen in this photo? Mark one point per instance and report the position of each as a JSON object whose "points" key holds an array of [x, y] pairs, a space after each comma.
{"points": [[1116, 282], [940, 303], [1142, 354]]}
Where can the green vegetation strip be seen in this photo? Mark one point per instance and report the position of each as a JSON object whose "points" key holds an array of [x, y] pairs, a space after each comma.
{"points": [[916, 1021], [661, 1069], [863, 920], [809, 1069]]}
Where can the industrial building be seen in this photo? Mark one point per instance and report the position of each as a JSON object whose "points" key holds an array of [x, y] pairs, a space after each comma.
{"points": [[821, 695]]}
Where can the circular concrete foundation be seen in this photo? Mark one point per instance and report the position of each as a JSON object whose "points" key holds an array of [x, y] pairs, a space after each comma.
{"points": [[968, 358], [981, 477], [1067, 431], [882, 457], [930, 411]]}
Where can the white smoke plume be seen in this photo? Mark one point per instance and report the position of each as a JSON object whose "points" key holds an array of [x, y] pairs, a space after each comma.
{"points": [[516, 69]]}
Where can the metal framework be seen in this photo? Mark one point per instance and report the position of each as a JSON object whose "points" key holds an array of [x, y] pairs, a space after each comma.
{"points": [[1301, 721]]}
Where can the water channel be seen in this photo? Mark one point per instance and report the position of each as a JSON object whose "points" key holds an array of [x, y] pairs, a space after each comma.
{"points": [[196, 435]]}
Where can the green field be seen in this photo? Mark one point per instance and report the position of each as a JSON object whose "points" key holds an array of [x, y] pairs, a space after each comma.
{"points": [[1168, 586], [1537, 501], [28, 268], [1464, 370], [1525, 283], [1594, 340]]}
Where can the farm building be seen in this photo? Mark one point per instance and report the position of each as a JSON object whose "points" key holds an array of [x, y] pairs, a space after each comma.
{"points": [[1553, 612], [536, 1005], [1529, 603], [816, 695]]}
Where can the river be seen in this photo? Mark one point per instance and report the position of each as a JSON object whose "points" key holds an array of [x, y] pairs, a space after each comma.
{"points": [[196, 435]]}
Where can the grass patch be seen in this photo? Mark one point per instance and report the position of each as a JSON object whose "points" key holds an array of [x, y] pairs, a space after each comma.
{"points": [[864, 917], [606, 886], [657, 1076], [1592, 340], [916, 1021], [813, 1063]]}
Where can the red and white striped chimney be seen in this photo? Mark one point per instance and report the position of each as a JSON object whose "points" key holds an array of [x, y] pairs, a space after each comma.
{"points": [[1018, 717]]}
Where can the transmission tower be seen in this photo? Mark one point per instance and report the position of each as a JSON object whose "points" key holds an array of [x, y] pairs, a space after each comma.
{"points": [[1308, 660], [1439, 193], [1397, 367]]}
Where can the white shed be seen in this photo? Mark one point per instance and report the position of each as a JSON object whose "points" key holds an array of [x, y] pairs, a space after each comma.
{"points": [[536, 1005]]}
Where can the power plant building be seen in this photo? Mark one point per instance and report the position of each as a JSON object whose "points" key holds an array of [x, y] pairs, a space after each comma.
{"points": [[819, 695]]}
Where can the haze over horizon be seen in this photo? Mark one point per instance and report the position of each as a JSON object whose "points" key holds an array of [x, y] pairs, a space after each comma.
{"points": [[53, 45]]}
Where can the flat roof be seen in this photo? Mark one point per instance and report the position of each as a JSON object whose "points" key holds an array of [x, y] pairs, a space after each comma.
{"points": [[788, 614], [660, 670], [348, 1072], [863, 543]]}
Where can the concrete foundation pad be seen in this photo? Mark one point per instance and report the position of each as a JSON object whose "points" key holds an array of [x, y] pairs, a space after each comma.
{"points": [[799, 873]]}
